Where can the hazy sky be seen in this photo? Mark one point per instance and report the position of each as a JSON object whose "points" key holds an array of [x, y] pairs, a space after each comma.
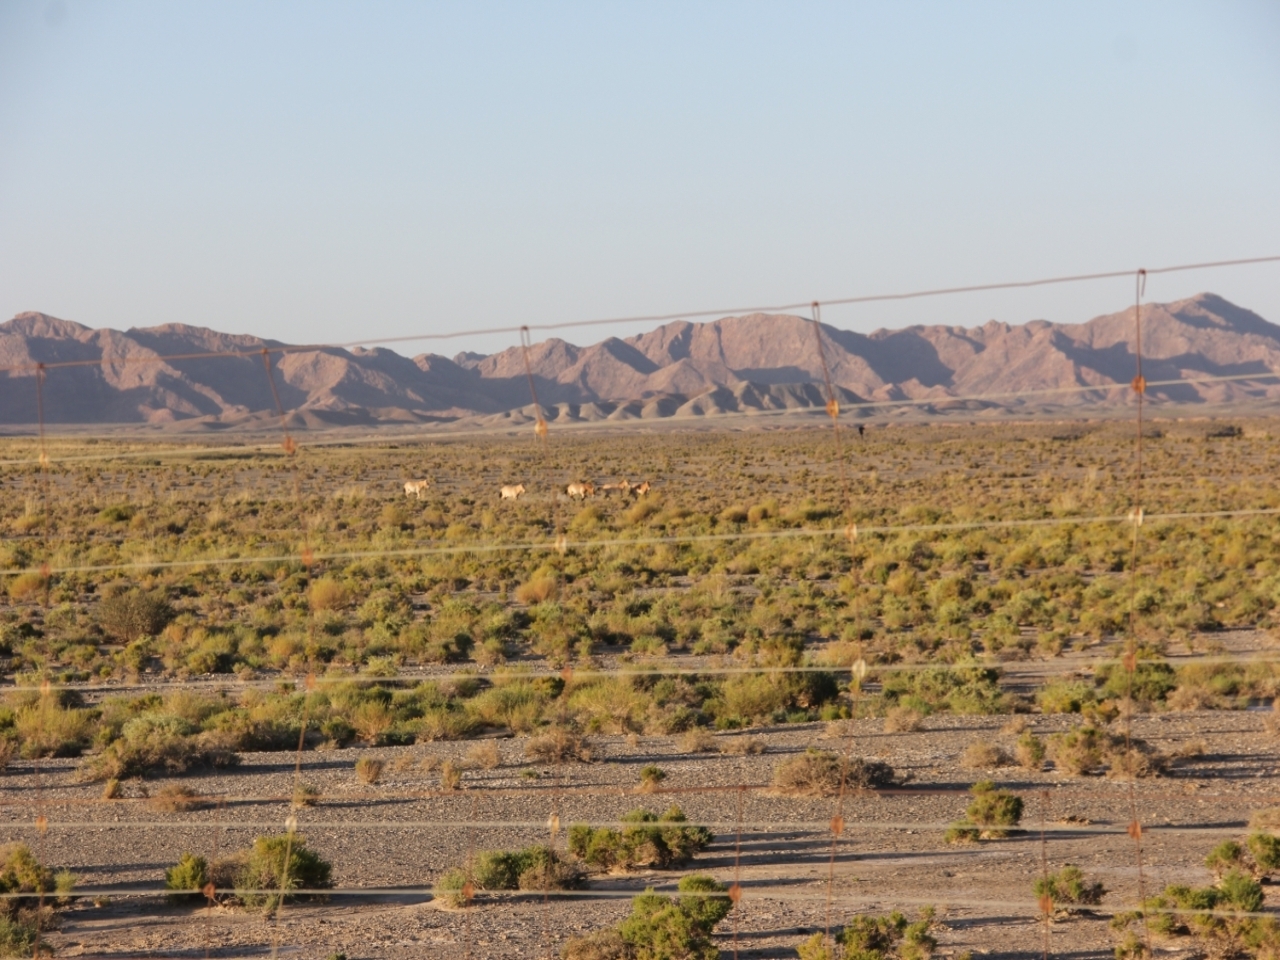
{"points": [[323, 171]]}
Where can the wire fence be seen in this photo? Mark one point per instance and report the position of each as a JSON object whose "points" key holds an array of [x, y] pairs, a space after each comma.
{"points": [[1135, 808]]}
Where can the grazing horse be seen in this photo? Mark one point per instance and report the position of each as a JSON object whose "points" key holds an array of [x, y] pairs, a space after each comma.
{"points": [[512, 493], [641, 489], [416, 488], [624, 488], [580, 491]]}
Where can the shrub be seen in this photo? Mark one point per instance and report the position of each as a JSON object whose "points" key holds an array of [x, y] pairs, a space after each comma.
{"points": [[1090, 751], [990, 815], [305, 795], [131, 614], [982, 755], [157, 742], [368, 769], [533, 868], [903, 720], [648, 841], [677, 927], [537, 590], [187, 878], [22, 880], [600, 945], [266, 869], [817, 773], [175, 798], [741, 746], [1029, 751], [1215, 917], [327, 594], [450, 776], [453, 888], [651, 778], [1258, 856], [558, 745], [867, 937], [1068, 888], [695, 740], [27, 585], [46, 728], [486, 755]]}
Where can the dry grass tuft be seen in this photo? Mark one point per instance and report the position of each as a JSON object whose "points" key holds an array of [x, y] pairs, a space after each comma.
{"points": [[1015, 726], [305, 795], [486, 755], [741, 746], [368, 769], [176, 798], [697, 740], [537, 590], [450, 775], [903, 720], [1266, 819], [981, 755]]}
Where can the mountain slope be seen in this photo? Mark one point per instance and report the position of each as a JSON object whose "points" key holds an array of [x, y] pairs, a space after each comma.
{"points": [[745, 364]]}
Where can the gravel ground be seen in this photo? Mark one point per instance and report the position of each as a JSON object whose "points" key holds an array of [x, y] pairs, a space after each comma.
{"points": [[389, 841]]}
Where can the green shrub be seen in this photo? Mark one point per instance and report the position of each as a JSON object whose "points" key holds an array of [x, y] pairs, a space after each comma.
{"points": [[153, 743], [453, 888], [533, 868], [867, 937], [1214, 917], [187, 878], [1029, 751], [1068, 888], [651, 777], [265, 870], [676, 927], [991, 815], [23, 879], [648, 841]]}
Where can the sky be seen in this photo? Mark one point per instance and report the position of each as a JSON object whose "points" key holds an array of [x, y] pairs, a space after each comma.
{"points": [[325, 172]]}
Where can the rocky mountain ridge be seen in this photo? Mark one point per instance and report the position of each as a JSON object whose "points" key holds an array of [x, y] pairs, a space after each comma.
{"points": [[746, 364]]}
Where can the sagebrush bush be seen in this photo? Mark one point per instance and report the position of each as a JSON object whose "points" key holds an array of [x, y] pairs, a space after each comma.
{"points": [[648, 841], [1067, 888], [868, 937], [678, 928], [187, 878], [818, 773], [131, 614], [559, 745], [991, 814], [276, 865], [983, 755]]}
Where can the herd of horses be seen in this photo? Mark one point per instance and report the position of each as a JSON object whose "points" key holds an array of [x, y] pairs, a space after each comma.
{"points": [[574, 491]]}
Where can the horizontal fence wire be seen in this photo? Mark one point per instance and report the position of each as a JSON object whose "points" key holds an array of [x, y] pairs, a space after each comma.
{"points": [[511, 674], [748, 891]]}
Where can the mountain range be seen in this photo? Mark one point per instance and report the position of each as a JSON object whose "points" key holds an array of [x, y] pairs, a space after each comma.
{"points": [[747, 364]]}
